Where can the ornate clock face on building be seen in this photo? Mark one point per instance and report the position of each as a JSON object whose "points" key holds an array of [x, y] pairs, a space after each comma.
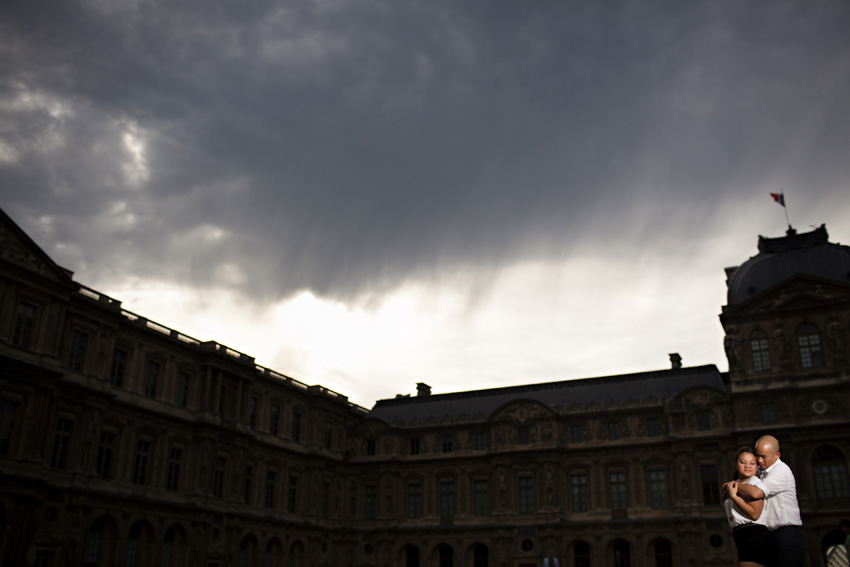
{"points": [[819, 407]]}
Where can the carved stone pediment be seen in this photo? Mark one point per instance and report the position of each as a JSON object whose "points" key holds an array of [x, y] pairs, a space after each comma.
{"points": [[521, 411], [370, 428], [799, 293], [698, 398]]}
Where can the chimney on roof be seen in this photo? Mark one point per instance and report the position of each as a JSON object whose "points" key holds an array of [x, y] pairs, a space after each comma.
{"points": [[675, 360], [423, 389]]}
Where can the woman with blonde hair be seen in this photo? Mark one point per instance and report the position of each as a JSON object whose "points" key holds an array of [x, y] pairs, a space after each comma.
{"points": [[752, 538]]}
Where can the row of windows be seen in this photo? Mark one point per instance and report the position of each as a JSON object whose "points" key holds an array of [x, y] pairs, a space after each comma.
{"points": [[620, 553], [808, 347], [828, 465], [152, 381], [140, 547], [447, 443], [142, 467]]}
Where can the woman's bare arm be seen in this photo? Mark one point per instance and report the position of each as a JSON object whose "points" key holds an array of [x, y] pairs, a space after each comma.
{"points": [[752, 509], [749, 492]]}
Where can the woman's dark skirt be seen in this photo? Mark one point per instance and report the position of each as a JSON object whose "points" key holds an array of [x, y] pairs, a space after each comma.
{"points": [[755, 544]]}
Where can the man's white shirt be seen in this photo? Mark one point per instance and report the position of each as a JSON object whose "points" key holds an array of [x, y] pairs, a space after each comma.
{"points": [[780, 496]]}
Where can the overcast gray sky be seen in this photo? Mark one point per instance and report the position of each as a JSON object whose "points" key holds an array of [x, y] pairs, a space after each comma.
{"points": [[368, 194]]}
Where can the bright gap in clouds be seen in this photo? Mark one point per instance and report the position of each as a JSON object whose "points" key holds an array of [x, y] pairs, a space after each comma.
{"points": [[534, 322]]}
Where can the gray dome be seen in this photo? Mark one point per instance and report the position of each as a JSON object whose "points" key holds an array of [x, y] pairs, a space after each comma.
{"points": [[778, 259]]}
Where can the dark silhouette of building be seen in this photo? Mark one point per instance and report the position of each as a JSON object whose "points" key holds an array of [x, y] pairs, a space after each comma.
{"points": [[125, 442]]}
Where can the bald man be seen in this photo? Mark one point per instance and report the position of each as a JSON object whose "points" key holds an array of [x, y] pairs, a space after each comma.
{"points": [[781, 509]]}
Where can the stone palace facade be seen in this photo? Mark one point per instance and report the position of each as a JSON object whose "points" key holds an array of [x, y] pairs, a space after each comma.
{"points": [[124, 442]]}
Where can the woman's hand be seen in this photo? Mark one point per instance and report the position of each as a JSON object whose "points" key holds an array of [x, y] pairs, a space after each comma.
{"points": [[732, 488]]}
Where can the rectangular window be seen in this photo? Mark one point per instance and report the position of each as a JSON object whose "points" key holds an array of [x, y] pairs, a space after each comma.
{"points": [[140, 466], [151, 378], [370, 501], [658, 489], [447, 499], [218, 479], [831, 480], [326, 498], [768, 413], [328, 434], [581, 555], [184, 379], [274, 420], [447, 443], [253, 405], [414, 446], [652, 427], [24, 322], [480, 441], [761, 352], [271, 480], [61, 441], [414, 501], [44, 558], [174, 458], [370, 447], [481, 493], [249, 477], [579, 491], [710, 484], [576, 434], [703, 421], [222, 400], [522, 435], [7, 420], [614, 430], [810, 351], [118, 368], [296, 426], [617, 485], [104, 454], [77, 352], [291, 503], [526, 495]]}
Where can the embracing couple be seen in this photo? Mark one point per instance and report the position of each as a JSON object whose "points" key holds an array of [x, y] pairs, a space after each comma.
{"points": [[762, 509]]}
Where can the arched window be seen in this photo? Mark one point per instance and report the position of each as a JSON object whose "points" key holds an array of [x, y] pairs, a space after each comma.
{"points": [[830, 472], [447, 556], [247, 551], [622, 554], [761, 351], [581, 554], [174, 547], [274, 553], [139, 545], [296, 555], [481, 556], [411, 558], [663, 553], [92, 550], [808, 340]]}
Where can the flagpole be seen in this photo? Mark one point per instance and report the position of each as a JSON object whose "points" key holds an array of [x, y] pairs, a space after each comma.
{"points": [[785, 206], [780, 200]]}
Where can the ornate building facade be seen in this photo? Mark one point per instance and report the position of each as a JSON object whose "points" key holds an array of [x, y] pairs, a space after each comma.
{"points": [[125, 442]]}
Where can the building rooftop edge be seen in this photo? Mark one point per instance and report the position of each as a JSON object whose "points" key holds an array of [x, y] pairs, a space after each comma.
{"points": [[574, 382]]}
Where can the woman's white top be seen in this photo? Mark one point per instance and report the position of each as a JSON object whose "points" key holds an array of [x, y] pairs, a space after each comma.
{"points": [[735, 515]]}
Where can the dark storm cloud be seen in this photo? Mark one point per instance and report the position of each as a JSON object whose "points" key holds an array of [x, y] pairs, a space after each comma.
{"points": [[343, 145]]}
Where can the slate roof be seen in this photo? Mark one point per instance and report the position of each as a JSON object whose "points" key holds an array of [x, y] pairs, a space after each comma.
{"points": [[778, 259], [559, 396]]}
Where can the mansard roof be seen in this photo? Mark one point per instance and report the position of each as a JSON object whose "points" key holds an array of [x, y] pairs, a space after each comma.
{"points": [[562, 397], [779, 259]]}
